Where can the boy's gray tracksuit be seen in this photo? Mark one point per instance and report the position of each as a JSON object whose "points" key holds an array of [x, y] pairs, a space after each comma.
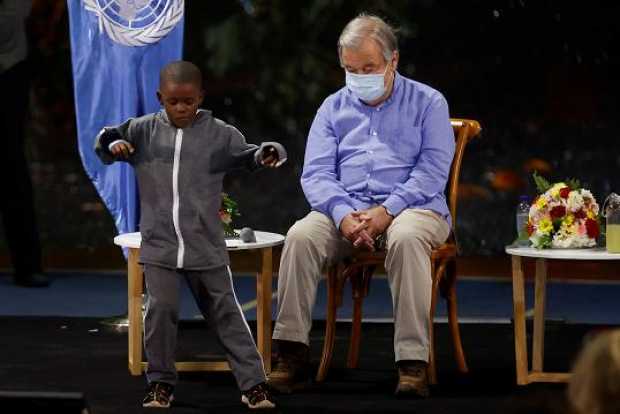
{"points": [[180, 174]]}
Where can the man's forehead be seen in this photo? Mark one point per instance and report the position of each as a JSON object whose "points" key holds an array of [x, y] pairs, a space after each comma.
{"points": [[368, 51]]}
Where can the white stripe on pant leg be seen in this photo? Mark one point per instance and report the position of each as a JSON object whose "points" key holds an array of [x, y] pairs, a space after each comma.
{"points": [[232, 289]]}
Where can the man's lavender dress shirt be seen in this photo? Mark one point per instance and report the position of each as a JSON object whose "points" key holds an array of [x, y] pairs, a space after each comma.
{"points": [[397, 154]]}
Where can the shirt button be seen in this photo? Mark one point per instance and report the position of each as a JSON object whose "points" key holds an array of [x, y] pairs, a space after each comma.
{"points": [[367, 175], [378, 109], [370, 152], [374, 133]]}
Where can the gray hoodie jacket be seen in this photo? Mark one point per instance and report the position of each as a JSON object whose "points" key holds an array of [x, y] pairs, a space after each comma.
{"points": [[180, 174]]}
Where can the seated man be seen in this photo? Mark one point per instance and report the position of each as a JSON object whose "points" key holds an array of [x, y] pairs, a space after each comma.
{"points": [[377, 161]]}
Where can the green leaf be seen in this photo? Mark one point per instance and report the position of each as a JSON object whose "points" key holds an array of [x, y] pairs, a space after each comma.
{"points": [[542, 184], [229, 205], [573, 184], [545, 241], [228, 230]]}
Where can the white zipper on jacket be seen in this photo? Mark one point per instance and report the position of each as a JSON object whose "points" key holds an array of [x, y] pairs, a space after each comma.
{"points": [[178, 141]]}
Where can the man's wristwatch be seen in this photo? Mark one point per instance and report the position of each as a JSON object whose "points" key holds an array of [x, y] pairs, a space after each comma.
{"points": [[380, 242], [387, 211]]}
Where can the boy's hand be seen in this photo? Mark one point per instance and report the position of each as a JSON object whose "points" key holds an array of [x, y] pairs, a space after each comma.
{"points": [[269, 157], [122, 149]]}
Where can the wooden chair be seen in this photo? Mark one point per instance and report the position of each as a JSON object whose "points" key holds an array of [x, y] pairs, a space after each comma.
{"points": [[360, 266]]}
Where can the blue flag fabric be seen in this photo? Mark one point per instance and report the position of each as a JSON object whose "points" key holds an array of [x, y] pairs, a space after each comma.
{"points": [[117, 49]]}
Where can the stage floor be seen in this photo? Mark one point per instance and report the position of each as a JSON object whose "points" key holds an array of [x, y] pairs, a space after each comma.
{"points": [[69, 354], [53, 340]]}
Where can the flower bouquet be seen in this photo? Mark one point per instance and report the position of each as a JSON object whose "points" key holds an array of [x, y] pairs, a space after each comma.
{"points": [[228, 210], [564, 215]]}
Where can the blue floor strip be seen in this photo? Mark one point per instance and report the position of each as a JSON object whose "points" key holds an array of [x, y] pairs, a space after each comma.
{"points": [[84, 294]]}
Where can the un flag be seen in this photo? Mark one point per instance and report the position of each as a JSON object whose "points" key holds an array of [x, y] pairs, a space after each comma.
{"points": [[117, 49]]}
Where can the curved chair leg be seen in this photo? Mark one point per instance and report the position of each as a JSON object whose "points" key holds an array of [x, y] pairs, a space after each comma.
{"points": [[450, 294], [330, 323], [432, 369], [356, 334]]}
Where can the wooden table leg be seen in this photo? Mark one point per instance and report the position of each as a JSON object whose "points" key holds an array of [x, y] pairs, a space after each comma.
{"points": [[518, 300], [538, 347], [134, 307], [263, 306]]}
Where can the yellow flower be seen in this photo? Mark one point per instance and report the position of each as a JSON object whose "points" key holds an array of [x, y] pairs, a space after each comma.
{"points": [[569, 219], [590, 214], [545, 226], [541, 203]]}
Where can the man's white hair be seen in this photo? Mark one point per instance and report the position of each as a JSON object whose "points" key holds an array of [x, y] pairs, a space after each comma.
{"points": [[367, 26]]}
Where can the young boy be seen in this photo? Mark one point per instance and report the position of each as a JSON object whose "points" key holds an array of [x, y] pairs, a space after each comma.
{"points": [[180, 156]]}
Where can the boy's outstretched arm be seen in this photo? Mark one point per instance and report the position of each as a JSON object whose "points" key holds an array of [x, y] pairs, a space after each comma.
{"points": [[115, 143], [240, 154]]}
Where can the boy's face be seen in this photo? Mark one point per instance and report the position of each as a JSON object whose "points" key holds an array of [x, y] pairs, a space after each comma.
{"points": [[181, 101]]}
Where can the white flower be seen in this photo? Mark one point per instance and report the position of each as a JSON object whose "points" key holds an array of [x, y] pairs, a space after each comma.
{"points": [[575, 201], [573, 241], [535, 239], [587, 195]]}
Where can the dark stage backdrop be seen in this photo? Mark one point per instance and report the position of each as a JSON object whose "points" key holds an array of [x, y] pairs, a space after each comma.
{"points": [[540, 76]]}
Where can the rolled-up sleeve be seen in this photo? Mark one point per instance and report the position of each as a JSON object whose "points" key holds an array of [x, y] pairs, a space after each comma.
{"points": [[430, 174], [319, 180]]}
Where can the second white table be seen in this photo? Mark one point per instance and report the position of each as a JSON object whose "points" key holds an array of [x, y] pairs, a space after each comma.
{"points": [[536, 374]]}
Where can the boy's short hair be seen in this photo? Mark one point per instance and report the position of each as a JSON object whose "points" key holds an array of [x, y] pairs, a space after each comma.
{"points": [[181, 71]]}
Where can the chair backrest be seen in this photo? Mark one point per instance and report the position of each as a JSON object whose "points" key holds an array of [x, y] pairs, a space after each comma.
{"points": [[464, 131]]}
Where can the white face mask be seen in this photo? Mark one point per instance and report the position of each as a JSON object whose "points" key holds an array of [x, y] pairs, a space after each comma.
{"points": [[366, 87]]}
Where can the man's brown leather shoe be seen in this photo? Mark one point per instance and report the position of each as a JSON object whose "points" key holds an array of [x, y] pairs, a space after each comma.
{"points": [[291, 369], [412, 379]]}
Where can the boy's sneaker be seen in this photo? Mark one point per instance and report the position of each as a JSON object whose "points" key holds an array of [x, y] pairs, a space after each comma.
{"points": [[258, 397], [159, 395]]}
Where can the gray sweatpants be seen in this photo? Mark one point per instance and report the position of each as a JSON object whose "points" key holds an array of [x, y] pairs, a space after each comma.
{"points": [[215, 296], [314, 242]]}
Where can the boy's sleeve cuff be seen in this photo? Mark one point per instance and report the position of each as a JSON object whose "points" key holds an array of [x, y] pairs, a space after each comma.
{"points": [[280, 150], [113, 143], [339, 212], [394, 205]]}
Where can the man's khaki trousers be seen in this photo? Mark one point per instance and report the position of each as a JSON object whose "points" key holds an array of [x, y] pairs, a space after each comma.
{"points": [[314, 243]]}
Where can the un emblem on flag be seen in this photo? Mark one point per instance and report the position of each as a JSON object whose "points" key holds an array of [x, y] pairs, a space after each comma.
{"points": [[136, 22]]}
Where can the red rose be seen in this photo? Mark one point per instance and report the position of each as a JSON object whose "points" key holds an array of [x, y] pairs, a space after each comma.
{"points": [[557, 212], [564, 192], [592, 228], [580, 214], [530, 229]]}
